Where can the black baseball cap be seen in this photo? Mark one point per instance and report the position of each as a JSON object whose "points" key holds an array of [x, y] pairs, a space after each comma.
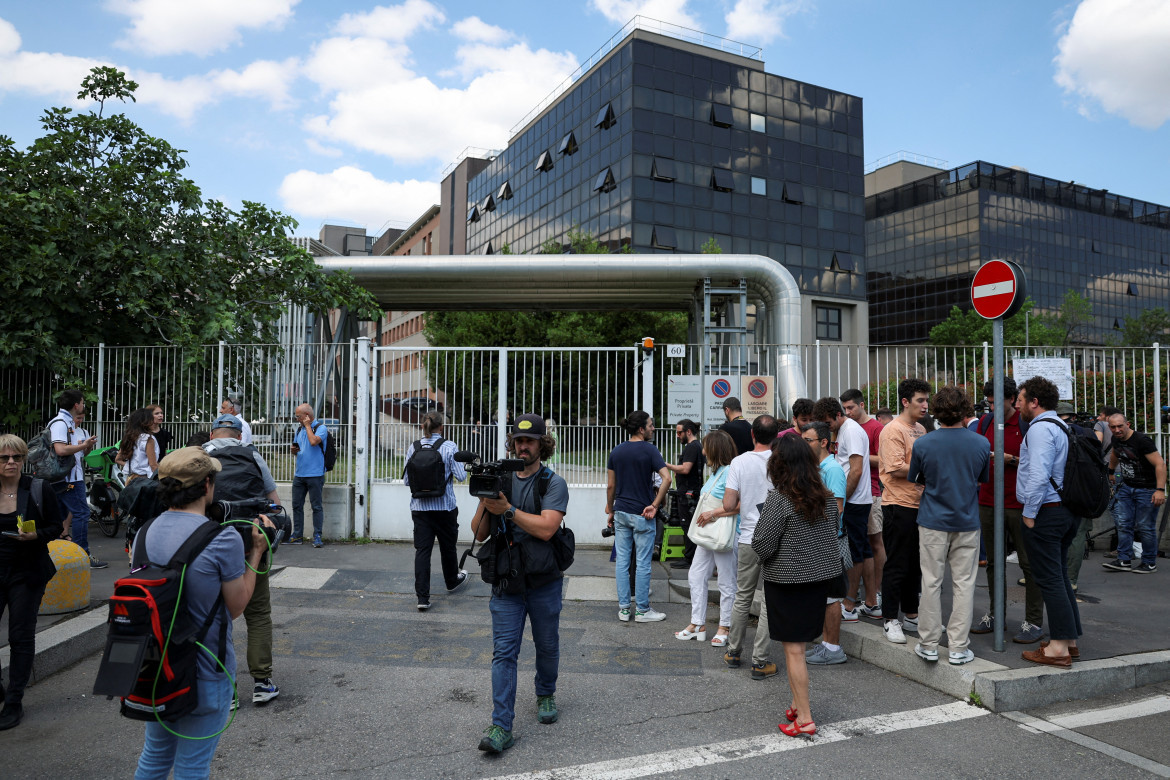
{"points": [[528, 426]]}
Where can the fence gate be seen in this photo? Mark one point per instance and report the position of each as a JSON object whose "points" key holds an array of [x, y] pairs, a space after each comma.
{"points": [[584, 392]]}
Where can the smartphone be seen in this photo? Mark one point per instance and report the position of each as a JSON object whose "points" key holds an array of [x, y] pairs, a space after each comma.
{"points": [[11, 534]]}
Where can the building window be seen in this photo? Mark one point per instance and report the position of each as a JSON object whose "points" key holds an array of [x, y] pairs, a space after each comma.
{"points": [[843, 262], [544, 162], [759, 123], [759, 186], [662, 170], [568, 144], [721, 115], [604, 181], [1132, 289], [489, 250], [473, 215], [793, 193], [505, 192], [489, 203], [663, 238], [722, 180], [828, 323], [605, 117]]}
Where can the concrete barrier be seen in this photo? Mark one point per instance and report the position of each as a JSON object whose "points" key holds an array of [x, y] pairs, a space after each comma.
{"points": [[68, 591]]}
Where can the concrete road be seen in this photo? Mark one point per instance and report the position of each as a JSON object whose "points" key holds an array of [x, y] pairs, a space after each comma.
{"points": [[373, 689]]}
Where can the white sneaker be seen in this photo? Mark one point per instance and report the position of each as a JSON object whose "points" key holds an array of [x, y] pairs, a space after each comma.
{"points": [[924, 654], [651, 615], [910, 623], [848, 615], [1013, 558], [964, 657], [894, 633]]}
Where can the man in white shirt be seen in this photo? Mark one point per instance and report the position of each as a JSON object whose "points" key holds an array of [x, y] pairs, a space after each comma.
{"points": [[71, 490], [747, 487], [232, 406], [852, 452]]}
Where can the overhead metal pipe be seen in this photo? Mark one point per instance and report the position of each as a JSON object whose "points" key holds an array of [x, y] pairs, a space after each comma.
{"points": [[586, 282]]}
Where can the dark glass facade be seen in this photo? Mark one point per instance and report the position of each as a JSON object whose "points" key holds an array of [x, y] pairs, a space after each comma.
{"points": [[925, 240], [670, 148]]}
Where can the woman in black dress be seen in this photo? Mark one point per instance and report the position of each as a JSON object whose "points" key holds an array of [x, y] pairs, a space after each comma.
{"points": [[796, 541], [28, 523]]}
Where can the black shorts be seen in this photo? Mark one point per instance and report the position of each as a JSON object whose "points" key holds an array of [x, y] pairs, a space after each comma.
{"points": [[838, 587], [856, 522]]}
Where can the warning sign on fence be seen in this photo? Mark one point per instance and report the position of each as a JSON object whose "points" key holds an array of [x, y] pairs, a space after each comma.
{"points": [[758, 396]]}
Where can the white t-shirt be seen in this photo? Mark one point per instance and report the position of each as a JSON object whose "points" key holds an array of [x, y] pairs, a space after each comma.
{"points": [[62, 429], [246, 433], [853, 440], [139, 463], [748, 476]]}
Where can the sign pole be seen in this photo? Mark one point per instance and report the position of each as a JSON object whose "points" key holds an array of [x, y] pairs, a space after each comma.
{"points": [[999, 609]]}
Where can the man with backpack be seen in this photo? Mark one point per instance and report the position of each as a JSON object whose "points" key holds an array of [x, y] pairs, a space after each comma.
{"points": [[1049, 525], [71, 489], [311, 448], [216, 586], [527, 518], [245, 474], [430, 470]]}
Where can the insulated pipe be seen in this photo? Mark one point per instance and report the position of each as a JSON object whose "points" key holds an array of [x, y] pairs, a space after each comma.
{"points": [[586, 282]]}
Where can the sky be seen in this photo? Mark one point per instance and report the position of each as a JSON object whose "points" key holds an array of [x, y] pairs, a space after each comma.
{"points": [[349, 112]]}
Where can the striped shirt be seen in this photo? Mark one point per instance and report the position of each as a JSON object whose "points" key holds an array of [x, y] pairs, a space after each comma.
{"points": [[446, 502]]}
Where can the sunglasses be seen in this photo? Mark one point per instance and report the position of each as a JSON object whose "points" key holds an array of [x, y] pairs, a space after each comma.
{"points": [[12, 458]]}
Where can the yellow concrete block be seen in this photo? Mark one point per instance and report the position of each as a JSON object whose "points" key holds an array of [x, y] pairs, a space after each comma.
{"points": [[69, 590]]}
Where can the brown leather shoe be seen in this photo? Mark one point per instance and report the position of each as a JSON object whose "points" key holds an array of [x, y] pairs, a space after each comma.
{"points": [[1037, 657], [1073, 652]]}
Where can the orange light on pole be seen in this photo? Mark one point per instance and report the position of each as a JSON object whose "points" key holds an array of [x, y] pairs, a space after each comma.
{"points": [[647, 345]]}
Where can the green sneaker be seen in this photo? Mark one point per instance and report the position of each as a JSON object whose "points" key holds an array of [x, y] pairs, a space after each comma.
{"points": [[496, 740], [546, 709]]}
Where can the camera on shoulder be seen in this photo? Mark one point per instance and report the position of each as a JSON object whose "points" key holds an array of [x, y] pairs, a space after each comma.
{"points": [[487, 480], [245, 513]]}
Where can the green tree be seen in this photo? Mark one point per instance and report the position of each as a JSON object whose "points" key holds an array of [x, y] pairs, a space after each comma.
{"points": [[1152, 325], [964, 327], [106, 241], [711, 247]]}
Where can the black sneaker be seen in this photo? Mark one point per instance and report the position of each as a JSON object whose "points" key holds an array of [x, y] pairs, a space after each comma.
{"points": [[680, 564], [460, 582], [95, 563], [1118, 565], [424, 605], [1145, 568], [10, 716]]}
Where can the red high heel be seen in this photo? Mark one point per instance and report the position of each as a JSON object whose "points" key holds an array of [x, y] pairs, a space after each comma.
{"points": [[790, 714], [795, 729]]}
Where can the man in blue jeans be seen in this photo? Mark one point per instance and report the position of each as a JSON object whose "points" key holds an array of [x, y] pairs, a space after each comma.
{"points": [[531, 513], [632, 504], [309, 477], [1139, 497], [71, 490]]}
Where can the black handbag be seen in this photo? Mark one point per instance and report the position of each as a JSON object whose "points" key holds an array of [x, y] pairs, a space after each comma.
{"points": [[564, 544]]}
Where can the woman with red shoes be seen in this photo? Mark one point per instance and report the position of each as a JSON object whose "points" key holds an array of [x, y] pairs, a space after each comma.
{"points": [[796, 541]]}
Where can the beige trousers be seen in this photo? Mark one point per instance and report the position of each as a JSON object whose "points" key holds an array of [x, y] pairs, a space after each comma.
{"points": [[937, 549]]}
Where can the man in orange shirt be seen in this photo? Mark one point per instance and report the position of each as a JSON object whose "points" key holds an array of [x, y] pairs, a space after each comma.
{"points": [[902, 574]]}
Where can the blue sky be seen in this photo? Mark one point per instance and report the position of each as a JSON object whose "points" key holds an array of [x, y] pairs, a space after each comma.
{"points": [[348, 112]]}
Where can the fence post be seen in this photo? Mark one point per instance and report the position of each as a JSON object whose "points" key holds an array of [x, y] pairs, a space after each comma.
{"points": [[1157, 396], [818, 368], [986, 373], [362, 440], [502, 406], [219, 385], [648, 383], [101, 389]]}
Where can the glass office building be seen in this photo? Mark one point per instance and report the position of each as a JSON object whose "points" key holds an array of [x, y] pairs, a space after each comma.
{"points": [[664, 144], [926, 238]]}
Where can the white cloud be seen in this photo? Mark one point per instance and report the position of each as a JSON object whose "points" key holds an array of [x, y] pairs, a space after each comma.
{"points": [[357, 195], [1116, 53], [185, 27], [394, 23], [622, 11], [343, 64], [40, 73], [317, 147], [9, 38], [475, 29], [411, 118], [263, 79], [759, 21]]}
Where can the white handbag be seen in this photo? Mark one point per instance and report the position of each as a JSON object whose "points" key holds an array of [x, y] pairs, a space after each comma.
{"points": [[719, 534]]}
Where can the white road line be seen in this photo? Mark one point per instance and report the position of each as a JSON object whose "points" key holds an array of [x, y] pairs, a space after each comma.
{"points": [[1140, 709], [754, 747], [1034, 724], [301, 577]]}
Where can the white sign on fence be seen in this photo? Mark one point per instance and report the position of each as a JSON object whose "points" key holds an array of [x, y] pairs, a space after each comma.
{"points": [[1058, 371], [682, 398], [676, 350], [758, 396]]}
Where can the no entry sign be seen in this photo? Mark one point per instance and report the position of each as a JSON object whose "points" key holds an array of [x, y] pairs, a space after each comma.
{"points": [[998, 289]]}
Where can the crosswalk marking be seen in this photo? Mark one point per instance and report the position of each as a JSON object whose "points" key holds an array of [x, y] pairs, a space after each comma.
{"points": [[301, 578]]}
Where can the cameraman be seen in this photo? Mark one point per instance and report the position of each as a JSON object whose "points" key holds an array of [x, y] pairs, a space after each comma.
{"points": [[187, 480], [538, 595], [244, 474]]}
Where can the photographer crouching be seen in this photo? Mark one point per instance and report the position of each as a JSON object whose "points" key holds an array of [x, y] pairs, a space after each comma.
{"points": [[524, 519], [245, 475]]}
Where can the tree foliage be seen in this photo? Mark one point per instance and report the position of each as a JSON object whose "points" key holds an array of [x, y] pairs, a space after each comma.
{"points": [[106, 240], [1149, 327], [967, 328]]}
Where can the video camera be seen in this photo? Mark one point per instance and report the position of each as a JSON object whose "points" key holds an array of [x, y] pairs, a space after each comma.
{"points": [[248, 509], [487, 479]]}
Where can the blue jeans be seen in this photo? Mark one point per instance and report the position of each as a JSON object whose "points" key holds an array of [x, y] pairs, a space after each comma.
{"points": [[313, 486], [1135, 516], [191, 758], [634, 536], [543, 606], [71, 497], [1047, 543]]}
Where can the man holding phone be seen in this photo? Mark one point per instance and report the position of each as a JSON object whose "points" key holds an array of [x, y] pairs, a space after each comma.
{"points": [[309, 476], [70, 491]]}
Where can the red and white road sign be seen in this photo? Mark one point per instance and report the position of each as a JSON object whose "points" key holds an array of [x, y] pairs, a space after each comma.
{"points": [[998, 289]]}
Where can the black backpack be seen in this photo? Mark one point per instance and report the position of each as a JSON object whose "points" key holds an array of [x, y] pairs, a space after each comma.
{"points": [[239, 477], [426, 470], [329, 450], [153, 644], [1086, 473]]}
